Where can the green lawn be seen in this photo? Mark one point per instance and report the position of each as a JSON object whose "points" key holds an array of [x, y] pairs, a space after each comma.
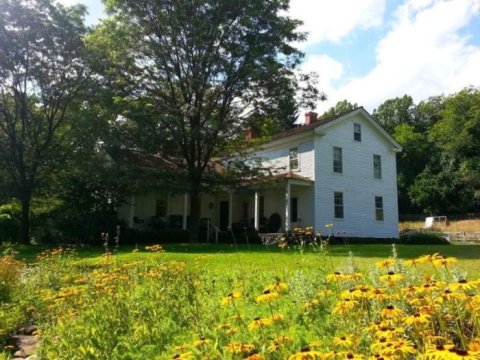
{"points": [[202, 301], [222, 257]]}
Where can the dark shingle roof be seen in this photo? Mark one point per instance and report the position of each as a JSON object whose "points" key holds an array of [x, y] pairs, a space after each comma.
{"points": [[304, 128]]}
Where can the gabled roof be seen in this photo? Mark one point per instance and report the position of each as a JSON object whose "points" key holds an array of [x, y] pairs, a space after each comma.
{"points": [[321, 124]]}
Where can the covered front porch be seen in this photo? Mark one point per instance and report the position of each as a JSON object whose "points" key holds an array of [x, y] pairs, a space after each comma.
{"points": [[278, 204]]}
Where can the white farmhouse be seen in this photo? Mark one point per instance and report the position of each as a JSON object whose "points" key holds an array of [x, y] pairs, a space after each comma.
{"points": [[339, 171]]}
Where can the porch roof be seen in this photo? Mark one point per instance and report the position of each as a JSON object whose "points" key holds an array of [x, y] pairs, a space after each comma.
{"points": [[290, 177]]}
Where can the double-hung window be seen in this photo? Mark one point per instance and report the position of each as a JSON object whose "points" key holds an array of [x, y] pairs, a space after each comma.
{"points": [[161, 207], [379, 208], [293, 158], [337, 160], [357, 132], [377, 166], [338, 203]]}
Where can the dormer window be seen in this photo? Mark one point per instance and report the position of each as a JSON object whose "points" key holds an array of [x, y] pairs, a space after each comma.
{"points": [[357, 132], [293, 158]]}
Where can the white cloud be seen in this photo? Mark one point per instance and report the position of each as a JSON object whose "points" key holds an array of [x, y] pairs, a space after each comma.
{"points": [[331, 20], [423, 55]]}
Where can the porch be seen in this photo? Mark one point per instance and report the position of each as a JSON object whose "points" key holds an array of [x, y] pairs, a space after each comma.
{"points": [[279, 204]]}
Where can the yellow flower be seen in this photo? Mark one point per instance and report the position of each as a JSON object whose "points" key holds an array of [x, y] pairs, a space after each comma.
{"points": [[337, 277], [390, 312], [239, 348], [255, 357], [306, 354], [201, 342], [385, 264], [277, 317], [345, 341], [464, 285], [279, 343], [184, 356], [259, 323], [324, 293], [311, 304], [315, 343], [268, 296], [230, 298], [278, 287], [444, 261], [344, 306], [417, 319], [391, 279]]}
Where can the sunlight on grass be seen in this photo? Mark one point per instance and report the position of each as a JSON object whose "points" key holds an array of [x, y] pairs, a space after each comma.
{"points": [[223, 302]]}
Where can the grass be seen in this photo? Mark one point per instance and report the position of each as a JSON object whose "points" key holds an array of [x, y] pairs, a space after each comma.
{"points": [[240, 302], [226, 257], [452, 226]]}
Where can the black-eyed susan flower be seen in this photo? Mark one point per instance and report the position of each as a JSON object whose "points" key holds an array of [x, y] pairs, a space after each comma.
{"points": [[464, 285], [345, 306], [255, 357], [391, 312], [444, 261], [258, 323], [417, 319], [306, 354], [184, 356], [230, 298], [202, 342], [311, 304], [385, 264], [391, 279], [278, 287], [277, 317], [267, 297], [236, 347], [336, 277], [345, 341]]}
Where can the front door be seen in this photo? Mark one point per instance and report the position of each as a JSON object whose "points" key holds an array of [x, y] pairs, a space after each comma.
{"points": [[223, 215]]}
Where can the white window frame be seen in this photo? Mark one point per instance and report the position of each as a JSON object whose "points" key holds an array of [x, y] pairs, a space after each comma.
{"points": [[338, 204], [294, 160], [379, 214], [357, 126], [337, 160], [161, 203], [377, 166]]}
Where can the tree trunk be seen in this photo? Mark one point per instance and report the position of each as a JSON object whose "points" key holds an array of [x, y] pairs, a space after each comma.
{"points": [[25, 220], [195, 203]]}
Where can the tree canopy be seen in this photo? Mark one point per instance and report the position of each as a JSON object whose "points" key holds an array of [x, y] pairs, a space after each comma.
{"points": [[41, 73], [190, 77]]}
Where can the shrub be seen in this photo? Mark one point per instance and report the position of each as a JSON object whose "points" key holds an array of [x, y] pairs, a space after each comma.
{"points": [[423, 238], [9, 222]]}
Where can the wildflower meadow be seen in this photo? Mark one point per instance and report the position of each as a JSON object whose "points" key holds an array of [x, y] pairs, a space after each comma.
{"points": [[152, 305]]}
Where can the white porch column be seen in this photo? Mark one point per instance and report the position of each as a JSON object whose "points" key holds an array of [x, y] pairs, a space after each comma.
{"points": [[257, 211], [287, 207], [185, 211], [132, 211], [230, 210]]}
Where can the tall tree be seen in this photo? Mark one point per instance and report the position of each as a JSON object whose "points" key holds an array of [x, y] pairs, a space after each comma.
{"points": [[191, 75], [394, 112], [340, 107], [41, 74]]}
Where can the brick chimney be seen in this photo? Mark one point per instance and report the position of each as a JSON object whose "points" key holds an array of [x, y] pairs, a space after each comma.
{"points": [[250, 133], [310, 117]]}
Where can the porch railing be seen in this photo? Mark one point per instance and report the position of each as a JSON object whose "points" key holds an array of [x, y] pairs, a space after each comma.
{"points": [[212, 228]]}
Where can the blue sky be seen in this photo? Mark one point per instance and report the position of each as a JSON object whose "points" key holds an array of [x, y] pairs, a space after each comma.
{"points": [[368, 51]]}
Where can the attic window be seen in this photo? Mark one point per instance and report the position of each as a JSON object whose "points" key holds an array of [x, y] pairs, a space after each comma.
{"points": [[357, 132], [293, 158]]}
